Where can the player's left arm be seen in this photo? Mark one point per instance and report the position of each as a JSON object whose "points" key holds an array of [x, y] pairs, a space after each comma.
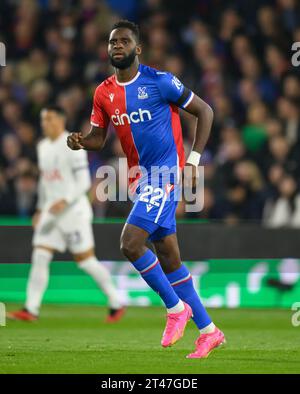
{"points": [[81, 177], [173, 91], [204, 114]]}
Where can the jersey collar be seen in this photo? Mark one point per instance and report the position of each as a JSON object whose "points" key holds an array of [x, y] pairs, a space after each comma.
{"points": [[131, 81]]}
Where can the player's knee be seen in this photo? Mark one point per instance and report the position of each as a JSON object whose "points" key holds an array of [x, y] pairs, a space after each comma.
{"points": [[41, 255], [130, 249], [79, 257], [168, 264], [126, 248]]}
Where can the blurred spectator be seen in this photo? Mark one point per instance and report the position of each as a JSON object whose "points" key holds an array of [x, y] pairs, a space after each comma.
{"points": [[285, 210], [254, 132], [7, 196], [25, 186], [288, 109], [11, 152], [36, 66], [27, 138], [281, 153], [291, 86], [289, 10]]}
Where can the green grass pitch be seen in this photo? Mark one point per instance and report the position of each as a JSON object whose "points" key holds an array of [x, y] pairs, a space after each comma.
{"points": [[74, 339]]}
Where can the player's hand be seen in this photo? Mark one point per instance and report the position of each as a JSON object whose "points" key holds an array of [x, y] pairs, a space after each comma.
{"points": [[191, 176], [74, 141], [58, 207], [36, 218]]}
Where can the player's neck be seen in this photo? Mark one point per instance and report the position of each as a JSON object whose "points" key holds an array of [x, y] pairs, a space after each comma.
{"points": [[129, 73], [56, 136]]}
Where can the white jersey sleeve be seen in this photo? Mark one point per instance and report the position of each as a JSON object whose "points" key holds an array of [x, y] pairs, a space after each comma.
{"points": [[41, 198], [81, 174]]}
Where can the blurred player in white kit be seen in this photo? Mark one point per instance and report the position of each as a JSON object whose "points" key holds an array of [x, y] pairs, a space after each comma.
{"points": [[63, 219]]}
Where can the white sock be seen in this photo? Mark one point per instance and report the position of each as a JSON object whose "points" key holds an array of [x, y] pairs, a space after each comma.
{"points": [[38, 279], [179, 307], [208, 329], [102, 277]]}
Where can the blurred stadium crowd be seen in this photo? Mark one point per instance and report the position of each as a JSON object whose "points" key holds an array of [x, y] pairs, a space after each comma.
{"points": [[236, 55]]}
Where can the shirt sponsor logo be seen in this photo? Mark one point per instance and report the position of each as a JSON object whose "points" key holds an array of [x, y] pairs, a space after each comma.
{"points": [[141, 115]]}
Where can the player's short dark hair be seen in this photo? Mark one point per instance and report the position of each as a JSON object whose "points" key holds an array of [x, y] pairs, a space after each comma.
{"points": [[125, 24], [55, 108]]}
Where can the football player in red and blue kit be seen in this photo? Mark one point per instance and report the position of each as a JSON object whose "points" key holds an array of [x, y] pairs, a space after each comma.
{"points": [[142, 104]]}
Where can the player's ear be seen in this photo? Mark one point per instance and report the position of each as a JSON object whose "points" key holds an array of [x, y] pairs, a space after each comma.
{"points": [[138, 50]]}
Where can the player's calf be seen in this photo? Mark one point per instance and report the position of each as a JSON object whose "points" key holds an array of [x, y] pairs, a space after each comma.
{"points": [[103, 279]]}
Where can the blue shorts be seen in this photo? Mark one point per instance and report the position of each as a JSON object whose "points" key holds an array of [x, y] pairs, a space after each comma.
{"points": [[154, 211]]}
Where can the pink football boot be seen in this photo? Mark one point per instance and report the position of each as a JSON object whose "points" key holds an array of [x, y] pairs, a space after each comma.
{"points": [[175, 327], [206, 343]]}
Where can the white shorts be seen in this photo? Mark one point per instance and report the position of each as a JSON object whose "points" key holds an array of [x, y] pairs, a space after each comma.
{"points": [[72, 231]]}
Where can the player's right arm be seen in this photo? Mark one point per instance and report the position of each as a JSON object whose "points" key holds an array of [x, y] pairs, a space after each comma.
{"points": [[40, 203], [95, 139], [41, 198]]}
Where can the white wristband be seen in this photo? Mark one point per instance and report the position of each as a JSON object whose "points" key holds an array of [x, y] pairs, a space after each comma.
{"points": [[194, 158]]}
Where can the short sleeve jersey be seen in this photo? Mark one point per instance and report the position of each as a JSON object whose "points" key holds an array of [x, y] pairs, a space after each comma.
{"points": [[144, 113]]}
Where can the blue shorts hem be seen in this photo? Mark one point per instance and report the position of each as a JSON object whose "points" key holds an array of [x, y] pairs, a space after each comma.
{"points": [[155, 231], [161, 233], [146, 225]]}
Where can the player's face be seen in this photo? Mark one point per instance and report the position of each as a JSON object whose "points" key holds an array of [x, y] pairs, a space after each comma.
{"points": [[122, 48], [52, 123]]}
